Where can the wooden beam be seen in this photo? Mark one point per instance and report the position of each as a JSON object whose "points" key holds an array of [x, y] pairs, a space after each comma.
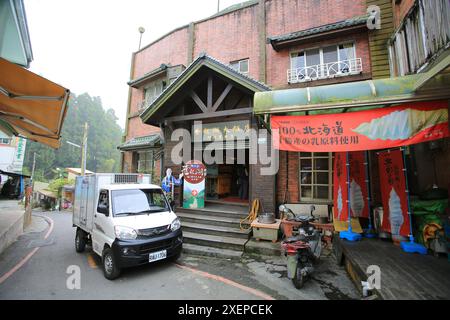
{"points": [[198, 101], [216, 114], [222, 97], [210, 93]]}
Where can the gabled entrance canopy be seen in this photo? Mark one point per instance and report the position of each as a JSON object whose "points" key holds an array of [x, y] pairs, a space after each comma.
{"points": [[207, 88]]}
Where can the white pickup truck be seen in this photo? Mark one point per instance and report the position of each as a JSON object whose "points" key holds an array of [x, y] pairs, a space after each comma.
{"points": [[127, 220]]}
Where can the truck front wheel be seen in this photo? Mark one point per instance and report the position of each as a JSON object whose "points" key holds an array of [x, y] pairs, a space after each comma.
{"points": [[110, 269], [80, 240]]}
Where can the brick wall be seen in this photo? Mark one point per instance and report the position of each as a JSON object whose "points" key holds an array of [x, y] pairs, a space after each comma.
{"points": [[288, 177], [400, 10], [230, 37], [171, 48], [237, 35]]}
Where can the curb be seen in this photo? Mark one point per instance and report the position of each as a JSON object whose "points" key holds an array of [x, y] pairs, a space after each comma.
{"points": [[29, 255]]}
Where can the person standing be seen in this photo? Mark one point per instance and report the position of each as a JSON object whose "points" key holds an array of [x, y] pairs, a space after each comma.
{"points": [[169, 182]]}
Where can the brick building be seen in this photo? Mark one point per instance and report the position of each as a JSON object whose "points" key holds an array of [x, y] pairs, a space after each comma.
{"points": [[282, 44]]}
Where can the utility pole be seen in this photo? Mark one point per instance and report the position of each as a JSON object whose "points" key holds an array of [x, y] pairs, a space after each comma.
{"points": [[84, 150], [218, 5]]}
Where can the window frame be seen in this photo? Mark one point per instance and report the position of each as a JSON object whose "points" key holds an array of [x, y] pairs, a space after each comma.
{"points": [[149, 158], [156, 85], [2, 141], [238, 63], [312, 156], [353, 42]]}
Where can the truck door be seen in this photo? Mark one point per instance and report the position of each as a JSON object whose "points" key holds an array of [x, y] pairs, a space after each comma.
{"points": [[103, 230], [84, 201]]}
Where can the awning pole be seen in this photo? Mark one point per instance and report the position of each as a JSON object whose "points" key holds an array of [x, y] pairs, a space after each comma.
{"points": [[369, 233], [349, 234], [410, 246]]}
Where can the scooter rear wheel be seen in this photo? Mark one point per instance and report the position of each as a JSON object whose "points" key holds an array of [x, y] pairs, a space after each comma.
{"points": [[299, 278]]}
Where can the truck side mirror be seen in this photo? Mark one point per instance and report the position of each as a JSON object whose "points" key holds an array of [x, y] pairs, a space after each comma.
{"points": [[103, 209]]}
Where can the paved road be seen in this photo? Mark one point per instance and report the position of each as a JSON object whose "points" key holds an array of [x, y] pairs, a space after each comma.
{"points": [[44, 275]]}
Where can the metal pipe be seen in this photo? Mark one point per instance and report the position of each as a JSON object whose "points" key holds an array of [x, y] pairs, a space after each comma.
{"points": [[366, 157], [347, 164], [411, 237]]}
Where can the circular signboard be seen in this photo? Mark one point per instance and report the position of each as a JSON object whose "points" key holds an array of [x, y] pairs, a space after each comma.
{"points": [[194, 172]]}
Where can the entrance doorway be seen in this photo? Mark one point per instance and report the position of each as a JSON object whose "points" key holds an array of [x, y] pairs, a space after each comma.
{"points": [[228, 182]]}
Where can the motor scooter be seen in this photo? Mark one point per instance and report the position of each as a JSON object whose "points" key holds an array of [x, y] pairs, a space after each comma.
{"points": [[303, 250]]}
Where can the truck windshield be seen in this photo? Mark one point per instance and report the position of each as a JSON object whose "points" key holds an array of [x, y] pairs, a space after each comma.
{"points": [[138, 201]]}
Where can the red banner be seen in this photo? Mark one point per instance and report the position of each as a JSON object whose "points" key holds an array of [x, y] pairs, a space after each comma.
{"points": [[359, 205], [363, 130], [393, 193], [340, 190]]}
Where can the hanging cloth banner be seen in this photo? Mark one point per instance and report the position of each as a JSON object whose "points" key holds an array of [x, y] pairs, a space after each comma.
{"points": [[358, 185], [380, 128], [340, 189], [393, 193]]}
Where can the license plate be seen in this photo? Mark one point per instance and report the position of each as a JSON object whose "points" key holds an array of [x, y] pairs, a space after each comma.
{"points": [[159, 255]]}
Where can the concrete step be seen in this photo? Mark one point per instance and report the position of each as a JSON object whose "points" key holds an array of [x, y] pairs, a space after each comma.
{"points": [[226, 212], [194, 249], [214, 241], [215, 230], [209, 220], [262, 247], [227, 203]]}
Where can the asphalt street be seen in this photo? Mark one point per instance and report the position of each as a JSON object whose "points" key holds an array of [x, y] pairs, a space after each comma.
{"points": [[45, 275]]}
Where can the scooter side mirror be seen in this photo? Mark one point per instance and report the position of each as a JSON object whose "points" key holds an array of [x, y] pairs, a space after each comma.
{"points": [[312, 209]]}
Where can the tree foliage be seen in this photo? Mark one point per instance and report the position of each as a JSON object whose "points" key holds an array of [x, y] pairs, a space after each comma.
{"points": [[104, 135]]}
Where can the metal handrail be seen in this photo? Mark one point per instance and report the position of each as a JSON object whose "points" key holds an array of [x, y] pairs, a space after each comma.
{"points": [[325, 71]]}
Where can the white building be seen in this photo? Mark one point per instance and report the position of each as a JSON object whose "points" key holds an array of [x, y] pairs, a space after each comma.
{"points": [[12, 153]]}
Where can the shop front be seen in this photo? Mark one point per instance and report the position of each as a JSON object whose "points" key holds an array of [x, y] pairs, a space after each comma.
{"points": [[206, 115], [390, 178]]}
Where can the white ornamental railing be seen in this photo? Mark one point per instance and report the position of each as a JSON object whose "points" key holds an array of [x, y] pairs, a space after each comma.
{"points": [[325, 71]]}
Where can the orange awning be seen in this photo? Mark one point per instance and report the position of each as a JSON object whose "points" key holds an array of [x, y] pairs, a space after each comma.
{"points": [[31, 105]]}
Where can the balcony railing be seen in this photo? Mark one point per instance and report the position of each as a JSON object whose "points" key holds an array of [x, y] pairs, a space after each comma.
{"points": [[325, 71]]}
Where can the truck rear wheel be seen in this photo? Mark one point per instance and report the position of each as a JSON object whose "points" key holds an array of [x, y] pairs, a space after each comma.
{"points": [[110, 269], [80, 240]]}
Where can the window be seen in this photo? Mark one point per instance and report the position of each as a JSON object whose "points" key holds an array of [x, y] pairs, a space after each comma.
{"points": [[138, 201], [152, 91], [5, 140], [316, 176], [145, 161], [103, 199], [240, 66], [326, 62], [424, 33]]}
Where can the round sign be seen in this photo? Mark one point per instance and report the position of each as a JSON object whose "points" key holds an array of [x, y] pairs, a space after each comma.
{"points": [[194, 172]]}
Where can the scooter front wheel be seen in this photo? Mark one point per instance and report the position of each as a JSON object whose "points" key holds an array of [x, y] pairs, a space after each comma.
{"points": [[299, 278]]}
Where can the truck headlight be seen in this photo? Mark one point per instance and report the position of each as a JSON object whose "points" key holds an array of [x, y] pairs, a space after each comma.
{"points": [[125, 233], [175, 225]]}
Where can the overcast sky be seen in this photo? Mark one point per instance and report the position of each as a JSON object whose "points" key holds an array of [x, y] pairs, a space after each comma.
{"points": [[86, 45]]}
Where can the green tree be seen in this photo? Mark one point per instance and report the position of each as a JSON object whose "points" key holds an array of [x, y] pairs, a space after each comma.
{"points": [[104, 136]]}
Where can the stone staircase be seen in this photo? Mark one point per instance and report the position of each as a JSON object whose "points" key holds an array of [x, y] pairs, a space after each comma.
{"points": [[214, 230]]}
